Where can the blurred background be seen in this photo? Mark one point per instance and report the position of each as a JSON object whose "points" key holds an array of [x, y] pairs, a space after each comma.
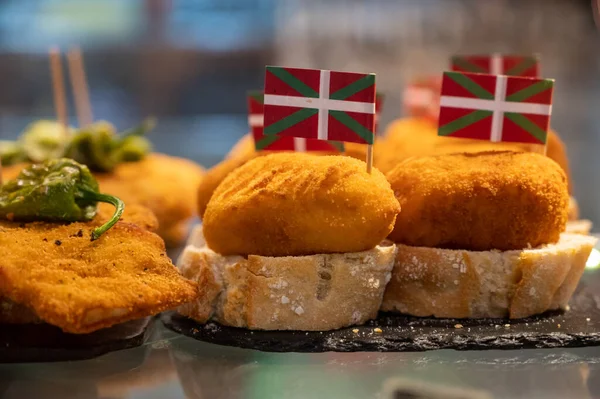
{"points": [[191, 62]]}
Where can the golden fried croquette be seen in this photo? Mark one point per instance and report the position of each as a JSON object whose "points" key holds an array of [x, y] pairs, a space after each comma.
{"points": [[410, 137], [215, 175], [81, 285], [165, 184], [243, 148], [242, 152], [480, 201], [299, 204]]}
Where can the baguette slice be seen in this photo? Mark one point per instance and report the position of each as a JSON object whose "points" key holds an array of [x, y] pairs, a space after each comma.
{"points": [[471, 284], [582, 226], [309, 293]]}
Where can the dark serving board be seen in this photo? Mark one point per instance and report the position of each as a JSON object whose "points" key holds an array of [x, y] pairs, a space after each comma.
{"points": [[24, 343], [576, 327]]}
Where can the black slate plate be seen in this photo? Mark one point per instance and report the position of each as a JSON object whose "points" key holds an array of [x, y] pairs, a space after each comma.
{"points": [[24, 343], [579, 326]]}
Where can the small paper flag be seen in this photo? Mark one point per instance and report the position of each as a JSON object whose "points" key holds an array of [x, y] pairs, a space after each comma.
{"points": [[421, 98], [498, 64], [495, 108], [319, 104], [277, 143]]}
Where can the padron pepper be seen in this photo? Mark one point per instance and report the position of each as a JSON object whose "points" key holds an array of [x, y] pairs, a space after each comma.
{"points": [[59, 190], [100, 148]]}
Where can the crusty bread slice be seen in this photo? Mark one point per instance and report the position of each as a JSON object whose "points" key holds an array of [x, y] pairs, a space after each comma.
{"points": [[582, 226], [310, 293], [470, 284]]}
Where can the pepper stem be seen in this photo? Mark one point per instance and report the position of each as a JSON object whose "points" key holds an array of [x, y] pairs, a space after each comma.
{"points": [[119, 208]]}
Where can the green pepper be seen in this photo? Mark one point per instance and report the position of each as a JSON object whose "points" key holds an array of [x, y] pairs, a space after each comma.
{"points": [[44, 140], [59, 190], [93, 146], [11, 152]]}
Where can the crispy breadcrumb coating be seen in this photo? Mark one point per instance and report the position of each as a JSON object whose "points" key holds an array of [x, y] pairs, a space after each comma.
{"points": [[167, 185], [81, 285], [480, 201], [242, 152], [299, 204], [214, 176], [410, 137]]}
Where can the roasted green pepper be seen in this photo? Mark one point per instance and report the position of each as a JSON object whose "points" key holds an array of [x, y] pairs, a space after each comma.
{"points": [[101, 149], [44, 140], [11, 152], [59, 190]]}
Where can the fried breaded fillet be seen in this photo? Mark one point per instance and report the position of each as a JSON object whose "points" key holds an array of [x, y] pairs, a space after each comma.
{"points": [[82, 286], [299, 204], [166, 185], [480, 201], [410, 137]]}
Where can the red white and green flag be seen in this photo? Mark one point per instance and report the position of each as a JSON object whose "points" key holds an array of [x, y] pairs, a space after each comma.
{"points": [[495, 108], [498, 64], [421, 98], [319, 104], [278, 143]]}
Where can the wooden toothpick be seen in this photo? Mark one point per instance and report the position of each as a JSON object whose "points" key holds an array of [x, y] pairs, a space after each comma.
{"points": [[369, 158], [58, 88], [79, 84]]}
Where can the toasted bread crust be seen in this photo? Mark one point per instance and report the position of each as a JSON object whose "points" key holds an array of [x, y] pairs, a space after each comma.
{"points": [[286, 293], [469, 284]]}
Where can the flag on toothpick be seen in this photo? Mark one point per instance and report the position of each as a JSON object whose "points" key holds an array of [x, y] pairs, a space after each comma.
{"points": [[421, 98], [319, 104], [278, 143], [498, 64], [495, 108]]}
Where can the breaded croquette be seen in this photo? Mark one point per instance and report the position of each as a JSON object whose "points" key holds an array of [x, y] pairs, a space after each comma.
{"points": [[410, 137], [165, 184], [242, 152], [215, 175], [80, 285], [289, 204], [480, 201]]}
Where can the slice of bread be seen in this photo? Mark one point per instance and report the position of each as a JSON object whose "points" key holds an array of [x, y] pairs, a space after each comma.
{"points": [[476, 284], [582, 226], [310, 293]]}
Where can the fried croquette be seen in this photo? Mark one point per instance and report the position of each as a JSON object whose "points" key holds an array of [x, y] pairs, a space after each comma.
{"points": [[80, 285], [214, 176], [480, 201], [165, 184], [410, 137], [242, 152], [289, 204]]}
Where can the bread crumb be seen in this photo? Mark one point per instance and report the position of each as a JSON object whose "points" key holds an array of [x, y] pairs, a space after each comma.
{"points": [[299, 310], [455, 282], [378, 330], [567, 308], [507, 326], [355, 331], [458, 326], [558, 325], [285, 299], [587, 319]]}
